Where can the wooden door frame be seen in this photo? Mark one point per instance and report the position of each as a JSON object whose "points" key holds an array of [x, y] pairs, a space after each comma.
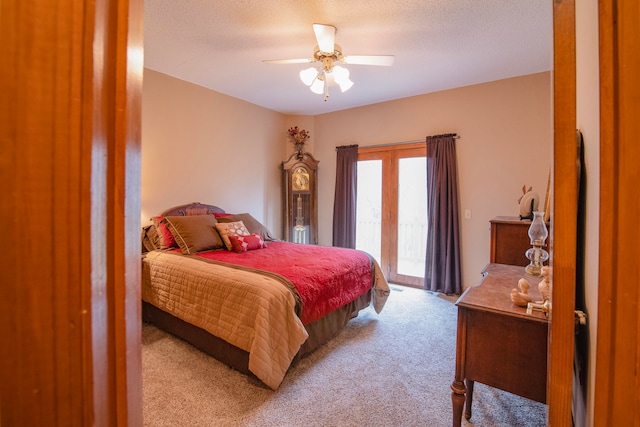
{"points": [[616, 381], [564, 216], [617, 389], [390, 174], [70, 328]]}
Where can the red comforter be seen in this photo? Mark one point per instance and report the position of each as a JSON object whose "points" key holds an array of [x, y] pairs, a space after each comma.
{"points": [[326, 277]]}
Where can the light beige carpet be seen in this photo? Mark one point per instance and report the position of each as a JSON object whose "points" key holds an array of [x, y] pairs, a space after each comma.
{"points": [[389, 369]]}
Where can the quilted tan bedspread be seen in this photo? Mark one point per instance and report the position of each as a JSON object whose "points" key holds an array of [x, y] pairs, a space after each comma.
{"points": [[252, 311]]}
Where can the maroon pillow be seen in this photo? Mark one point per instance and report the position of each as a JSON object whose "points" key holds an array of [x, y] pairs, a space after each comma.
{"points": [[247, 243], [164, 238]]}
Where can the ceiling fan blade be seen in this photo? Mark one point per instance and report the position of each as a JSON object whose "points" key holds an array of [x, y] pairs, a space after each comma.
{"points": [[325, 35], [369, 59], [289, 61]]}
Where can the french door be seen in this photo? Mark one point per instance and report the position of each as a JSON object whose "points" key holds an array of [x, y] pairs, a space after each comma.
{"points": [[392, 210]]}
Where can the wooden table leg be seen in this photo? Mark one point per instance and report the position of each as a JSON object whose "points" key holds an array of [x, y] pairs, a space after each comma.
{"points": [[467, 412], [458, 387], [457, 400]]}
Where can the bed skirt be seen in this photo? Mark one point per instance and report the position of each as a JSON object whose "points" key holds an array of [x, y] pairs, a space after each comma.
{"points": [[320, 332]]}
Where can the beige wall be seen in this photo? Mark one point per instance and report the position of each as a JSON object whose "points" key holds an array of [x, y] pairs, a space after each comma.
{"points": [[199, 145], [588, 122], [505, 130]]}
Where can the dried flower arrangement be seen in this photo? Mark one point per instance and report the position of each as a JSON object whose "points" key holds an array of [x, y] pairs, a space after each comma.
{"points": [[299, 136]]}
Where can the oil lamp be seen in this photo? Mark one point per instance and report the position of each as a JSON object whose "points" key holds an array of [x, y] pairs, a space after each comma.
{"points": [[538, 234]]}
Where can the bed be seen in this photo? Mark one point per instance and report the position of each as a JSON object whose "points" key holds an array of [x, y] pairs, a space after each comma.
{"points": [[223, 283]]}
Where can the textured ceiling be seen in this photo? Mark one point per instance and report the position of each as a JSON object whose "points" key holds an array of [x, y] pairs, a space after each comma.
{"points": [[438, 45]]}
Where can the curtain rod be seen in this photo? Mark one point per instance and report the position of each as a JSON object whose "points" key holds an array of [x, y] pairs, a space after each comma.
{"points": [[388, 144]]}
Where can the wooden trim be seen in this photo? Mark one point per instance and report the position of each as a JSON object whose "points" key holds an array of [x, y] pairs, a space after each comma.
{"points": [[616, 391], [69, 152], [564, 217], [44, 326], [389, 240], [117, 93], [129, 123], [394, 147]]}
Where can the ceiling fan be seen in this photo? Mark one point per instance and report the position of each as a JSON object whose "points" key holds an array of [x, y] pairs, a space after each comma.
{"points": [[329, 54]]}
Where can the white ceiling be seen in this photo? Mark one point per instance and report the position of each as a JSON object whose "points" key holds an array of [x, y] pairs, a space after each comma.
{"points": [[438, 44]]}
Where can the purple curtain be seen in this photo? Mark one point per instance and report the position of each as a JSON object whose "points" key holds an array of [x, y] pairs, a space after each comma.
{"points": [[442, 270], [344, 204]]}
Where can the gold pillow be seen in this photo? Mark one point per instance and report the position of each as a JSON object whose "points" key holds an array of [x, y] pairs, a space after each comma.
{"points": [[235, 228], [194, 233]]}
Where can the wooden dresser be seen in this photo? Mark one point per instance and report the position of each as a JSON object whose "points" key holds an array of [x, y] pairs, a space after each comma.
{"points": [[498, 343], [509, 240]]}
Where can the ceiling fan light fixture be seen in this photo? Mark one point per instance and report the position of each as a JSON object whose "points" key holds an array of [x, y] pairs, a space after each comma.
{"points": [[308, 75], [325, 35], [341, 77], [345, 85], [317, 86], [328, 53]]}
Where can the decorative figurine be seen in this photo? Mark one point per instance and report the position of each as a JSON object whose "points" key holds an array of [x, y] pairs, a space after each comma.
{"points": [[545, 284], [521, 298], [528, 202], [545, 290]]}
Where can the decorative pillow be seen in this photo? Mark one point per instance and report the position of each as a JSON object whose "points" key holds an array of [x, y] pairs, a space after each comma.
{"points": [[164, 239], [221, 214], [247, 243], [228, 229], [194, 233], [252, 224], [149, 238]]}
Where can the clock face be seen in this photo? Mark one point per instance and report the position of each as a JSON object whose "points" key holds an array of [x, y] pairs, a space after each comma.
{"points": [[300, 179]]}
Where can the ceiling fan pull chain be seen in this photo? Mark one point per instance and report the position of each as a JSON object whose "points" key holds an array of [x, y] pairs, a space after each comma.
{"points": [[326, 87]]}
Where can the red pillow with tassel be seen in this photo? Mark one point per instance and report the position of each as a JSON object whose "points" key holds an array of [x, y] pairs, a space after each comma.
{"points": [[247, 243]]}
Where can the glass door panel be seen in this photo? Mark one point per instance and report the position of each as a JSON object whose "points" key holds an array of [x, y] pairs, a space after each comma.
{"points": [[369, 208], [412, 216], [391, 210]]}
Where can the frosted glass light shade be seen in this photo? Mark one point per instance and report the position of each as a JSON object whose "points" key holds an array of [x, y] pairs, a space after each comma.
{"points": [[345, 85], [317, 86], [341, 77], [308, 75]]}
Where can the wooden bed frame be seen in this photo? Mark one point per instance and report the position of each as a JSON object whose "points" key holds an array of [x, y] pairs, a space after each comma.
{"points": [[320, 331]]}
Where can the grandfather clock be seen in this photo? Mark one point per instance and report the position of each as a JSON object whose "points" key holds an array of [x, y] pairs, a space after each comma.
{"points": [[300, 196]]}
